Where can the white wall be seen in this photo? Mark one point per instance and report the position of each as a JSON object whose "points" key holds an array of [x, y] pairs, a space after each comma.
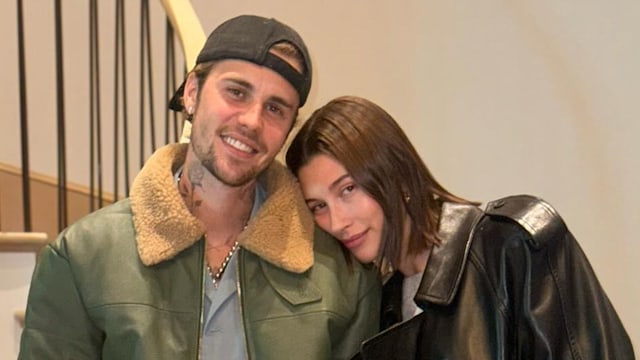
{"points": [[499, 97], [15, 273]]}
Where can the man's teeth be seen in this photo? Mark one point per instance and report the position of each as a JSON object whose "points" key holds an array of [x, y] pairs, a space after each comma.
{"points": [[238, 145]]}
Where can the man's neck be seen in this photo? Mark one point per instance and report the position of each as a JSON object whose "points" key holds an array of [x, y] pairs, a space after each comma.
{"points": [[224, 210]]}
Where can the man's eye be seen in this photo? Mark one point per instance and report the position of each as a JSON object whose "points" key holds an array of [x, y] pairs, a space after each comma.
{"points": [[236, 93], [275, 109]]}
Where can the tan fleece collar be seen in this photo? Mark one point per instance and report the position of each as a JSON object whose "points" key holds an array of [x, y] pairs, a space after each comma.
{"points": [[280, 233]]}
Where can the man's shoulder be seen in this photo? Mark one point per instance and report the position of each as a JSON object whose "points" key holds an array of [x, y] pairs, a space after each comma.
{"points": [[98, 227], [324, 243], [116, 212]]}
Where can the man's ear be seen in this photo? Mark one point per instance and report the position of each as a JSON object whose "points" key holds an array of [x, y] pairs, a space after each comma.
{"points": [[190, 95]]}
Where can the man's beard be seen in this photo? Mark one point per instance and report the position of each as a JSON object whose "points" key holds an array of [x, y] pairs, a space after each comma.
{"points": [[210, 162]]}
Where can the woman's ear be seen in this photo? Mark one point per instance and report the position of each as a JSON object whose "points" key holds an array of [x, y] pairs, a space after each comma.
{"points": [[406, 196]]}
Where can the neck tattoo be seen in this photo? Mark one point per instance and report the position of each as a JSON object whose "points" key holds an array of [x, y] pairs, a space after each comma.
{"points": [[215, 277]]}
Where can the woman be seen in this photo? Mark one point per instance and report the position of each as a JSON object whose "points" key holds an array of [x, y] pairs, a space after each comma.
{"points": [[459, 282]]}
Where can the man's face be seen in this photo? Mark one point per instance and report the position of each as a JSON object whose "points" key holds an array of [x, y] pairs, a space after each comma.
{"points": [[242, 116]]}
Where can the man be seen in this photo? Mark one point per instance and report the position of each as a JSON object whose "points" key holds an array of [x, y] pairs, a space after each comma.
{"points": [[214, 255]]}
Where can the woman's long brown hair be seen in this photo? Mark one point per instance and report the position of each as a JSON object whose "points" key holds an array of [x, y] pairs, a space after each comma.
{"points": [[377, 154]]}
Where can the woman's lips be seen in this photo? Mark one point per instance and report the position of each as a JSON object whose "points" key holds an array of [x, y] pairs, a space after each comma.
{"points": [[354, 240]]}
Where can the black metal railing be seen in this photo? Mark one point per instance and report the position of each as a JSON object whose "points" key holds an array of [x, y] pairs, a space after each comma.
{"points": [[152, 124]]}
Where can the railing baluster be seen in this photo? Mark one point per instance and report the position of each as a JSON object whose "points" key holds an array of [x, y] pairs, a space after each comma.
{"points": [[143, 9], [116, 80], [152, 127], [95, 131], [125, 113], [92, 105], [62, 166], [24, 128], [170, 83]]}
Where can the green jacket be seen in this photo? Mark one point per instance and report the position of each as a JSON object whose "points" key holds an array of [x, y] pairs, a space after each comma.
{"points": [[127, 281]]}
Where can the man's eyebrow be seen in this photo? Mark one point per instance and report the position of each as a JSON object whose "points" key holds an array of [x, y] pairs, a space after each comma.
{"points": [[247, 85], [240, 82], [283, 102]]}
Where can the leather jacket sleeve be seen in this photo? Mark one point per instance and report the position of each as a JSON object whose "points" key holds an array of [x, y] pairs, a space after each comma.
{"points": [[556, 305]]}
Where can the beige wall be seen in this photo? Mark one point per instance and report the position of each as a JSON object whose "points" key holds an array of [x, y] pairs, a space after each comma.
{"points": [[499, 97]]}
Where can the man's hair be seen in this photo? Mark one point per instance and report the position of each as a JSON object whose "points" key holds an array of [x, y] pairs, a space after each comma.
{"points": [[262, 41], [284, 50]]}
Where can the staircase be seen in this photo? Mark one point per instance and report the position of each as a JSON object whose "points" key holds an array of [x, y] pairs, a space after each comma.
{"points": [[50, 207]]}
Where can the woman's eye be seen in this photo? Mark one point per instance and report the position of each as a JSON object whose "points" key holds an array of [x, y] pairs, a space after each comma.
{"points": [[348, 189], [317, 207]]}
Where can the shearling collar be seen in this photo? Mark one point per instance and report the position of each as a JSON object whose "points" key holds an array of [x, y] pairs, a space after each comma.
{"points": [[280, 233]]}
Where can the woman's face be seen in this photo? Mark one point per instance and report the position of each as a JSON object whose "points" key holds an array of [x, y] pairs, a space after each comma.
{"points": [[341, 207]]}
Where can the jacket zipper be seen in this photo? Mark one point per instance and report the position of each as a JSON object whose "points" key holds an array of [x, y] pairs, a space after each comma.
{"points": [[201, 317], [241, 300]]}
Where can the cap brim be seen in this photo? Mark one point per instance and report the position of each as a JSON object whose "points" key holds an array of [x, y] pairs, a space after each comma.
{"points": [[175, 103]]}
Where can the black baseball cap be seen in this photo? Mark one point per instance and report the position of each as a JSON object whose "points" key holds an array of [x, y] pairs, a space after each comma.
{"points": [[249, 37]]}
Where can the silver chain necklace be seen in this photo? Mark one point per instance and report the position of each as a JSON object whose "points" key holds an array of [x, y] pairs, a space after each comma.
{"points": [[215, 278]]}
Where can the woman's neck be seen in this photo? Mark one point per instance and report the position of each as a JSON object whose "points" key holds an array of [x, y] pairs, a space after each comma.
{"points": [[411, 264]]}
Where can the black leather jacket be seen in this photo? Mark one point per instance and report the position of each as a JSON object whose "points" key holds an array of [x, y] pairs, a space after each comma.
{"points": [[511, 283]]}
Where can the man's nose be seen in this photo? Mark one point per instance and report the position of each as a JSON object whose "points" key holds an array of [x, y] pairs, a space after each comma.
{"points": [[251, 117]]}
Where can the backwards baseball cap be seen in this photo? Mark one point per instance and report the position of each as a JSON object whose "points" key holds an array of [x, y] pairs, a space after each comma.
{"points": [[249, 37]]}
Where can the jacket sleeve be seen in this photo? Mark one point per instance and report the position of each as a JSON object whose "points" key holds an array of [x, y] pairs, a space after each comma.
{"points": [[559, 307], [366, 321], [57, 325]]}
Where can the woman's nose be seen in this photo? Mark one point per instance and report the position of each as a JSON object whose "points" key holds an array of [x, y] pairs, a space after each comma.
{"points": [[340, 219]]}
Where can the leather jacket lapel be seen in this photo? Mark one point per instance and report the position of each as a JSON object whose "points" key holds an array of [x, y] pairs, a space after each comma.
{"points": [[447, 262]]}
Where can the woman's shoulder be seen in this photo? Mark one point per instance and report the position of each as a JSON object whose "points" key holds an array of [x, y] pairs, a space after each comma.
{"points": [[533, 215]]}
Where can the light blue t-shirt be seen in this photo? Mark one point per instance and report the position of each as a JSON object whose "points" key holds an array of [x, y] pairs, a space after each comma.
{"points": [[223, 333]]}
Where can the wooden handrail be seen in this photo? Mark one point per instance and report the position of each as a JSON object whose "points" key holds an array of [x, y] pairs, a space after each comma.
{"points": [[19, 316], [187, 26], [22, 241]]}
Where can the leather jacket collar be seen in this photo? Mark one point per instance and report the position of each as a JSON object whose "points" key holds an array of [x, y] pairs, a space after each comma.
{"points": [[444, 269], [447, 261]]}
